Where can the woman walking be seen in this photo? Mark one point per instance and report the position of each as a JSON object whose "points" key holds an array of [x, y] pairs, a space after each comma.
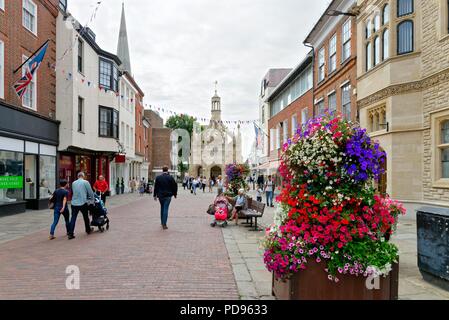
{"points": [[60, 208], [220, 186]]}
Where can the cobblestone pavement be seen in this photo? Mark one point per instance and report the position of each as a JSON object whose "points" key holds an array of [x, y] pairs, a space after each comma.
{"points": [[254, 282], [134, 260]]}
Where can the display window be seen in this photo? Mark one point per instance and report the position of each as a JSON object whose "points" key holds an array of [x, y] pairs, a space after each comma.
{"points": [[11, 177]]}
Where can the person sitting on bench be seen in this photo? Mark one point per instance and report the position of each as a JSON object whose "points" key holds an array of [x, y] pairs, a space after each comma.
{"points": [[240, 204]]}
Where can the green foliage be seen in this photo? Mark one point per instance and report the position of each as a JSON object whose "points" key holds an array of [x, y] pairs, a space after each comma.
{"points": [[181, 122]]}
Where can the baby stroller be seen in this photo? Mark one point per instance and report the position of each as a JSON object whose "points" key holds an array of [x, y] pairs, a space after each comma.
{"points": [[221, 210], [99, 214]]}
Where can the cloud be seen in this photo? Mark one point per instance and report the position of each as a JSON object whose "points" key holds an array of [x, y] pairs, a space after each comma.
{"points": [[179, 48]]}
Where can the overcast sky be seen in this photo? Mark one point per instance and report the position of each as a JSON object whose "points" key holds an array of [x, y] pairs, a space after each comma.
{"points": [[179, 48]]}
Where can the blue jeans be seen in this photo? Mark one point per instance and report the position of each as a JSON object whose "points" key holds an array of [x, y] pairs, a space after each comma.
{"points": [[57, 215], [165, 204], [269, 198]]}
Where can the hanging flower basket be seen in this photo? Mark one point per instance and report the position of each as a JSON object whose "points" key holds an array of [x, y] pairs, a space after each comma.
{"points": [[330, 224], [236, 175]]}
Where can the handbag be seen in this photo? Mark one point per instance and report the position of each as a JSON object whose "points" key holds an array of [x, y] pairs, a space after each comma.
{"points": [[51, 201]]}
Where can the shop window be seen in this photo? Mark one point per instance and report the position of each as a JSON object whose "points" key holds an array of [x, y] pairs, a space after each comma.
{"points": [[47, 174], [11, 177], [405, 37], [30, 177]]}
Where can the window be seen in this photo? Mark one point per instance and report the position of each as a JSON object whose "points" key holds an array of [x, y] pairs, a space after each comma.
{"points": [[319, 108], [304, 116], [444, 149], [29, 15], [294, 124], [2, 70], [377, 119], [405, 37], [11, 166], [108, 75], [47, 173], [278, 137], [108, 123], [386, 14], [285, 131], [369, 57], [376, 50], [346, 101], [80, 55], [30, 96], [405, 7], [80, 114], [332, 102], [386, 44], [368, 30], [346, 41], [321, 64], [333, 54], [376, 23]]}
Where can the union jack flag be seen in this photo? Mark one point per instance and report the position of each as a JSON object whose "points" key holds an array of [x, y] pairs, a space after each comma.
{"points": [[21, 86], [30, 68]]}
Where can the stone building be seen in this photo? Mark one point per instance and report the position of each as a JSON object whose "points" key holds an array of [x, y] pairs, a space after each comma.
{"points": [[403, 94], [214, 146]]}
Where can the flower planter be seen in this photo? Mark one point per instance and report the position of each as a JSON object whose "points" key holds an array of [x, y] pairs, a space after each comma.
{"points": [[313, 284]]}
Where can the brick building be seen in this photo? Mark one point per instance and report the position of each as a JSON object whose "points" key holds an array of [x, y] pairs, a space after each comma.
{"points": [[159, 145], [290, 105], [334, 41], [28, 130]]}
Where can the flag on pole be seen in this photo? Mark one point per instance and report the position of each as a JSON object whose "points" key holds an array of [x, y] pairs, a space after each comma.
{"points": [[31, 67], [258, 137]]}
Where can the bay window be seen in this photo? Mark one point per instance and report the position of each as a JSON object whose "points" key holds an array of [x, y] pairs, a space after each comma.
{"points": [[108, 122]]}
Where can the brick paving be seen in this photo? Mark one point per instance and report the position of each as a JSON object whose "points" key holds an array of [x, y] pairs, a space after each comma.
{"points": [[134, 260]]}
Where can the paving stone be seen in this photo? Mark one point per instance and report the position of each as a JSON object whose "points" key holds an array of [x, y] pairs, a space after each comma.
{"points": [[246, 288], [241, 273]]}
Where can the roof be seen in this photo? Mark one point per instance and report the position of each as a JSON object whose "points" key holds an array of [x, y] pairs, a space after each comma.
{"points": [[123, 47], [292, 76], [334, 5]]}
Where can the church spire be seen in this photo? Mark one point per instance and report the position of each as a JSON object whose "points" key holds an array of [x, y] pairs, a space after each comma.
{"points": [[123, 48], [216, 106]]}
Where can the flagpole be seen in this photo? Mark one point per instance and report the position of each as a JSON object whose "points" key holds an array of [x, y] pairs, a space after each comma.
{"points": [[31, 56]]}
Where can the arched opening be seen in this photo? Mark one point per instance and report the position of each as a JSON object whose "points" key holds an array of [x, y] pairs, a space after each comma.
{"points": [[215, 172]]}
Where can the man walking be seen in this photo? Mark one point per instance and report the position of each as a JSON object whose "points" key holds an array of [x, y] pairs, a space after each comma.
{"points": [[82, 193], [269, 190], [165, 188]]}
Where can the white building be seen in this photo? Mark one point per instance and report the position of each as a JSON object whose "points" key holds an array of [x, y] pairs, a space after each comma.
{"points": [[87, 103]]}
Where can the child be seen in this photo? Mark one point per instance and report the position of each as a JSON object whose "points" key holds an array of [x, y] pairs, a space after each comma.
{"points": [[259, 194]]}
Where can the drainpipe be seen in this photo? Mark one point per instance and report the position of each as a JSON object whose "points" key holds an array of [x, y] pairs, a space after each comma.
{"points": [[313, 76]]}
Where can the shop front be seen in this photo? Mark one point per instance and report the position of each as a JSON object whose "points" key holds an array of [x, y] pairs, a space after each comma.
{"points": [[27, 160], [92, 164]]}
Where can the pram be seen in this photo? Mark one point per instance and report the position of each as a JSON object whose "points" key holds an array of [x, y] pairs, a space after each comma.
{"points": [[99, 214], [221, 210]]}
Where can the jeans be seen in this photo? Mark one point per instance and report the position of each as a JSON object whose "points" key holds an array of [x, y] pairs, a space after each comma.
{"points": [[165, 204], [57, 215], [269, 198], [85, 211]]}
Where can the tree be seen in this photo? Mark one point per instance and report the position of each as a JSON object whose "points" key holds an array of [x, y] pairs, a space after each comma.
{"points": [[181, 122], [183, 168]]}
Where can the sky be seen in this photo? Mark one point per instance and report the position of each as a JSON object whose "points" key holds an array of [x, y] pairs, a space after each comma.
{"points": [[179, 48]]}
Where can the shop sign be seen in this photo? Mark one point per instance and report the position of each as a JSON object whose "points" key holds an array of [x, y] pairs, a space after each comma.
{"points": [[120, 158], [11, 182]]}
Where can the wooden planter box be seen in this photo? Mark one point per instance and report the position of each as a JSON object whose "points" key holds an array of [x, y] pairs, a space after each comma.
{"points": [[313, 284]]}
